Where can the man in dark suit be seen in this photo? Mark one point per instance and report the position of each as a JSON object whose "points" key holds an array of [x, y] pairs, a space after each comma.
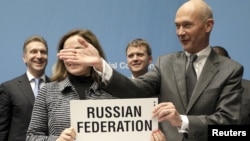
{"points": [[216, 97], [245, 106], [16, 95]]}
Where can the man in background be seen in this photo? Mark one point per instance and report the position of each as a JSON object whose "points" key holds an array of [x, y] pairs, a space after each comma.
{"points": [[139, 57], [17, 96]]}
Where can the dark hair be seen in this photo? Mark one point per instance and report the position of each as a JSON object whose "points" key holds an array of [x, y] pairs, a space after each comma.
{"points": [[221, 51], [59, 70], [32, 38], [140, 42]]}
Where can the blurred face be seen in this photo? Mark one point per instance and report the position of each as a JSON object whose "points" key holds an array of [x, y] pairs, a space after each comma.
{"points": [[191, 30], [75, 68], [36, 58], [138, 60]]}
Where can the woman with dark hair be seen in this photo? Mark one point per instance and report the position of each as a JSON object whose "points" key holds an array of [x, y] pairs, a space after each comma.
{"points": [[50, 119], [70, 81]]}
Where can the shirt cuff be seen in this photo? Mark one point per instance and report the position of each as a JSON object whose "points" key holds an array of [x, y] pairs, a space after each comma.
{"points": [[184, 124], [107, 72]]}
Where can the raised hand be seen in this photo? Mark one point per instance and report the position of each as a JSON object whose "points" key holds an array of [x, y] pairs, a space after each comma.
{"points": [[86, 54]]}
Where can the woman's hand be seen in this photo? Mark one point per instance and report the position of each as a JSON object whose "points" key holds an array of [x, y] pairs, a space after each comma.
{"points": [[158, 136], [68, 134]]}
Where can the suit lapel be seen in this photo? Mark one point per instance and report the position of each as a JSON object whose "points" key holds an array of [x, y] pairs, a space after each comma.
{"points": [[24, 85], [47, 79], [179, 72], [208, 72]]}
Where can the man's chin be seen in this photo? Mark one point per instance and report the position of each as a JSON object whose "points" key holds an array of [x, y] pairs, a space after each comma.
{"points": [[137, 69], [39, 68]]}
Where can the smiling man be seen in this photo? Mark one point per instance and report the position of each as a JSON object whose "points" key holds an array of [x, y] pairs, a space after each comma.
{"points": [[17, 96], [139, 57]]}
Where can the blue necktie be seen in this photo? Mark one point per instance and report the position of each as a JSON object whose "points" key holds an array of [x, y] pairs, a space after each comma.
{"points": [[37, 86]]}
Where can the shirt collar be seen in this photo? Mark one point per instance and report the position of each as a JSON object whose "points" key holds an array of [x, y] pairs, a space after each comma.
{"points": [[65, 84], [132, 77], [31, 77], [202, 54]]}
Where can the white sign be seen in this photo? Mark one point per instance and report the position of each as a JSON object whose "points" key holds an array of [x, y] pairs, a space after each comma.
{"points": [[113, 119]]}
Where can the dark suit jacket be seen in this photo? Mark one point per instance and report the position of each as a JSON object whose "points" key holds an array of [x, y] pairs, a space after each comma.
{"points": [[16, 103], [215, 100], [245, 108]]}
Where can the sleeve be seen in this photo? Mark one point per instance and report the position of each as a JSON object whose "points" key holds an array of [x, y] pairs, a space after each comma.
{"points": [[5, 113], [38, 128], [106, 74]]}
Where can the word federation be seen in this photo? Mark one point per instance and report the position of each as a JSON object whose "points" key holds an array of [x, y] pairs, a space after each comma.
{"points": [[114, 126]]}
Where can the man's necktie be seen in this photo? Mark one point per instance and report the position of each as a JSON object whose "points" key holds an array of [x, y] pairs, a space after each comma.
{"points": [[37, 86], [191, 76]]}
